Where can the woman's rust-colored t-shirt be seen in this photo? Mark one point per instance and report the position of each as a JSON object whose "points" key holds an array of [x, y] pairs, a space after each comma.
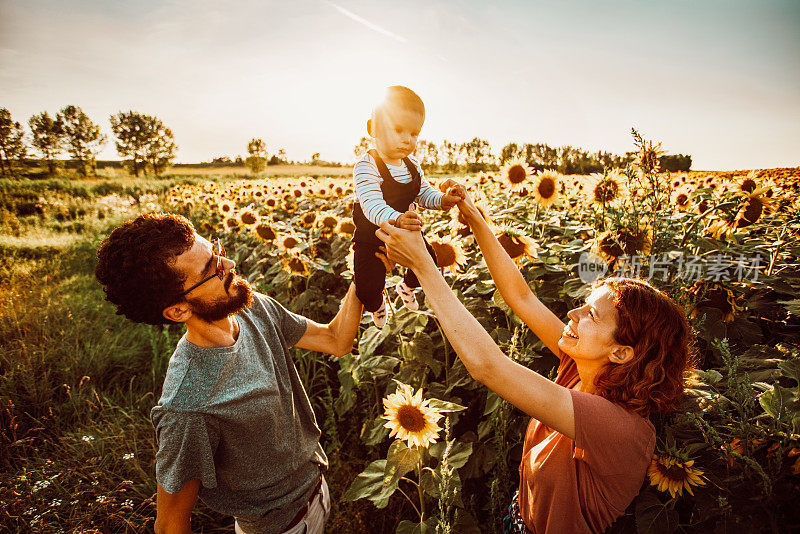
{"points": [[583, 485]]}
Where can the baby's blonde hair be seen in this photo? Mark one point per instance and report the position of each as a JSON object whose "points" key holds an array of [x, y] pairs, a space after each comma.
{"points": [[398, 97]]}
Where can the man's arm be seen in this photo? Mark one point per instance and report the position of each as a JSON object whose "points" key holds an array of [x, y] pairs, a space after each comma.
{"points": [[173, 511], [337, 336]]}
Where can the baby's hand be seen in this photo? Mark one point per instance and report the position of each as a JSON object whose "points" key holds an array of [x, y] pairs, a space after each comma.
{"points": [[409, 221]]}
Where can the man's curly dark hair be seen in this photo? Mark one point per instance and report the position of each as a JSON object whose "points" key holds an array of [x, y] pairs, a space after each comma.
{"points": [[135, 265]]}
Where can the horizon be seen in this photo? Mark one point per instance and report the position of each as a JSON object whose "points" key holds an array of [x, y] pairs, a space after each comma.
{"points": [[703, 79]]}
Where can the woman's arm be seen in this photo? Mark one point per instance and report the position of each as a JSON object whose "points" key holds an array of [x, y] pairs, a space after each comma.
{"points": [[527, 390], [507, 277]]}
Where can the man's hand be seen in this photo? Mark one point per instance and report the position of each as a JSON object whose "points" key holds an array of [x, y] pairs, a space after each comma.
{"points": [[409, 221]]}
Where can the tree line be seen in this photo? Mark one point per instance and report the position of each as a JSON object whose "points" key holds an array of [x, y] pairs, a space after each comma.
{"points": [[476, 155], [146, 143]]}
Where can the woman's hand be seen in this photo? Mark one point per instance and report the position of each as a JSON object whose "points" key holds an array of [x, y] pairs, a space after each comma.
{"points": [[403, 246]]}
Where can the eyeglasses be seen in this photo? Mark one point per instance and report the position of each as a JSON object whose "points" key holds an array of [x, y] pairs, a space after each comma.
{"points": [[219, 272]]}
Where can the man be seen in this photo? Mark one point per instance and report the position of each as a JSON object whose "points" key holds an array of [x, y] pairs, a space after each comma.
{"points": [[234, 425]]}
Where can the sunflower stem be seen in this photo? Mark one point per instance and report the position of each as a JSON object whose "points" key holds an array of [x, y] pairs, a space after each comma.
{"points": [[421, 510], [407, 497]]}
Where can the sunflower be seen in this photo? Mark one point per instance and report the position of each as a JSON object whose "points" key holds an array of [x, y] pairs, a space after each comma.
{"points": [[515, 173], [612, 244], [448, 253], [673, 474], [714, 295], [545, 188], [346, 226], [308, 218], [264, 232], [410, 418], [248, 218], [458, 224], [516, 245], [327, 222], [225, 207], [288, 242], [648, 157], [681, 198], [230, 223], [752, 206], [604, 189], [294, 265]]}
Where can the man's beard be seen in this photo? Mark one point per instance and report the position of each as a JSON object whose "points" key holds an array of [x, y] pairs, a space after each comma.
{"points": [[240, 295]]}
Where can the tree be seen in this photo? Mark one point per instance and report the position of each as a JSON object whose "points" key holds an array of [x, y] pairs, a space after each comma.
{"points": [[477, 154], [130, 129], [83, 138], [12, 141], [258, 154], [510, 151], [160, 148], [48, 138], [314, 157], [144, 139], [362, 147]]}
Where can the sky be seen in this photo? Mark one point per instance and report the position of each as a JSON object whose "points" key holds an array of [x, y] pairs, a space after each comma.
{"points": [[719, 80]]}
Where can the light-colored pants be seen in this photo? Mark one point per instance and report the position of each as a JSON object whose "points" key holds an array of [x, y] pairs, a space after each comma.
{"points": [[312, 523]]}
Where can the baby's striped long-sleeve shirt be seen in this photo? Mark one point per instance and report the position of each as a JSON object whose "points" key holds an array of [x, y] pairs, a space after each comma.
{"points": [[368, 180]]}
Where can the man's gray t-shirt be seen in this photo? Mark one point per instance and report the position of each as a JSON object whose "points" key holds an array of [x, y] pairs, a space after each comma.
{"points": [[238, 419]]}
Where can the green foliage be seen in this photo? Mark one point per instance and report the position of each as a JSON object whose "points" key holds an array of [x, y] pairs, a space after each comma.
{"points": [[12, 143], [82, 138], [47, 138], [144, 139]]}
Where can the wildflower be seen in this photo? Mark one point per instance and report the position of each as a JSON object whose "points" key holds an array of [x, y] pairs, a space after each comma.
{"points": [[545, 189], [88, 439], [102, 499], [55, 502], [410, 418], [674, 474], [127, 456], [127, 503]]}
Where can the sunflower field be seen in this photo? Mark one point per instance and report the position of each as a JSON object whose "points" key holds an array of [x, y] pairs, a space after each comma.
{"points": [[414, 443]]}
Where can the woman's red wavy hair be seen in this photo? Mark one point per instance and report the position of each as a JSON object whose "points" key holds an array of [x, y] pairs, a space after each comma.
{"points": [[657, 329]]}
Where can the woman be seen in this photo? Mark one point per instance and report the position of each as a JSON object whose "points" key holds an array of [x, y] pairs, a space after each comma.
{"points": [[623, 354]]}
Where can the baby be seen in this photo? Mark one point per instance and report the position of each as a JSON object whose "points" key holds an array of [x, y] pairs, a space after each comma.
{"points": [[387, 182]]}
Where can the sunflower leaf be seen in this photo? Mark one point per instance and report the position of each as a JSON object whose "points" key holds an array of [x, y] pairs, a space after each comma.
{"points": [[369, 485], [400, 460], [652, 516], [444, 406], [791, 369], [776, 402], [410, 527]]}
